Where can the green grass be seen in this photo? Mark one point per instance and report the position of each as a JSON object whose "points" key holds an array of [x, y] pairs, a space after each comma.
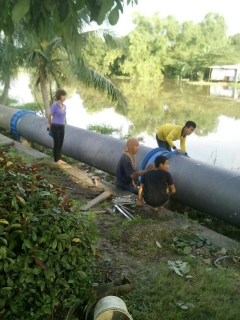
{"points": [[214, 294]]}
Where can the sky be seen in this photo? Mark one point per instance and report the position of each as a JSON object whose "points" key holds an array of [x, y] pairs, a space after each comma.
{"points": [[182, 10]]}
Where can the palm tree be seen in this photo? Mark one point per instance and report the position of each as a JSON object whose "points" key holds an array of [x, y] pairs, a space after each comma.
{"points": [[55, 55], [54, 62], [9, 63], [54, 59]]}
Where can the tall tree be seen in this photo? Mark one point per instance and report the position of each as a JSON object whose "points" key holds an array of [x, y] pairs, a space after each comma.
{"points": [[147, 49], [214, 30], [10, 58], [54, 62], [45, 21]]}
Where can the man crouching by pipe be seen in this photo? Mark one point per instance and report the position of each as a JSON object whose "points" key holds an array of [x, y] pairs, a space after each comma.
{"points": [[156, 185]]}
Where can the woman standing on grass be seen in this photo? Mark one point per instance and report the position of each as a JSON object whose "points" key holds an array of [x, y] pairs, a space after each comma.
{"points": [[56, 121]]}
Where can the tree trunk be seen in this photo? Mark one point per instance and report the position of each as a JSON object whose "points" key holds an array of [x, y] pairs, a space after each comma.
{"points": [[6, 88], [44, 91]]}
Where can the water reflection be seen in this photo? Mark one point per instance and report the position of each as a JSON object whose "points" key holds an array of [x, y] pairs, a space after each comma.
{"points": [[153, 103], [224, 91], [156, 102]]}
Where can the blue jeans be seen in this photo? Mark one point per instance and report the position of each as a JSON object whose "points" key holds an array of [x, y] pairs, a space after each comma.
{"points": [[163, 144], [129, 188]]}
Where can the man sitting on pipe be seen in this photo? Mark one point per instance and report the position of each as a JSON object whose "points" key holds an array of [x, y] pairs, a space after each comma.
{"points": [[169, 132], [126, 169], [156, 185]]}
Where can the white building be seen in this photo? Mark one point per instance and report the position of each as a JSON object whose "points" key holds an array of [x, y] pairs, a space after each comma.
{"points": [[225, 73]]}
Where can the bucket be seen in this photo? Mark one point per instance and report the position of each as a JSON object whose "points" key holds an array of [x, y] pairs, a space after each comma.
{"points": [[111, 308]]}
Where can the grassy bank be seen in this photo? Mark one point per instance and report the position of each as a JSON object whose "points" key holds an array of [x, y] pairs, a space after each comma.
{"points": [[171, 282], [171, 266]]}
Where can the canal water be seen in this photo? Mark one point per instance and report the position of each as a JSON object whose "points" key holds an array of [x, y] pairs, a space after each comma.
{"points": [[215, 109]]}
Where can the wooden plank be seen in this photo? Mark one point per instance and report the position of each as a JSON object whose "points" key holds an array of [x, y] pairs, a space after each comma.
{"points": [[96, 200]]}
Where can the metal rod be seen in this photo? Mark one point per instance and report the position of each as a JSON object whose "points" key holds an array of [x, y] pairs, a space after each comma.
{"points": [[120, 210], [126, 211], [127, 208]]}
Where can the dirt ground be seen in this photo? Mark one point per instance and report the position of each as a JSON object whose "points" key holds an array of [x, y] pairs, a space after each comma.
{"points": [[125, 244], [124, 247]]}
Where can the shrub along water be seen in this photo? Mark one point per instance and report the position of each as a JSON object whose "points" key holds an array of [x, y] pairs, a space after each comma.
{"points": [[46, 247]]}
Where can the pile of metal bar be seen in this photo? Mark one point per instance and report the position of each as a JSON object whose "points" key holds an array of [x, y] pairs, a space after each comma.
{"points": [[125, 211]]}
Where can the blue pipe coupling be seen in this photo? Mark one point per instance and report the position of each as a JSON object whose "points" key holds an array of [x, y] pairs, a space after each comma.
{"points": [[15, 118], [151, 156]]}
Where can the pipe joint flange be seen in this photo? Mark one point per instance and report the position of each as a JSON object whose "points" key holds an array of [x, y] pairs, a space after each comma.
{"points": [[150, 156], [172, 153], [15, 118]]}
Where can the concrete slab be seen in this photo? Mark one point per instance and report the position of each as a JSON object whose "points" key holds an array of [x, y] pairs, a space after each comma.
{"points": [[217, 238], [5, 141], [83, 176], [29, 151]]}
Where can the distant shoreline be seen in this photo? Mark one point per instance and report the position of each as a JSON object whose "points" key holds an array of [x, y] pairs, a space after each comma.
{"points": [[207, 83]]}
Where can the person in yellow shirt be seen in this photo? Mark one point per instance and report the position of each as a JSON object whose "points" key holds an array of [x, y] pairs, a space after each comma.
{"points": [[169, 132]]}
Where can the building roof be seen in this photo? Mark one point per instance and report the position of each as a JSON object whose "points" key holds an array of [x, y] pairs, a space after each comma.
{"points": [[229, 66]]}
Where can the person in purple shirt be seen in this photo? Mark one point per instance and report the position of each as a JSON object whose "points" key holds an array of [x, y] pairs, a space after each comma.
{"points": [[56, 122]]}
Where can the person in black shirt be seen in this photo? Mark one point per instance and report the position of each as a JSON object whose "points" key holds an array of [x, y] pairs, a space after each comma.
{"points": [[156, 185], [126, 169]]}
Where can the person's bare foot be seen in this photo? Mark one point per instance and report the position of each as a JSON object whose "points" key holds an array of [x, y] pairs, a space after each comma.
{"points": [[61, 161], [63, 165], [139, 203]]}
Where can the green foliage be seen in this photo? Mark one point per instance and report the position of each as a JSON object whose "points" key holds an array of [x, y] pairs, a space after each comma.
{"points": [[162, 47], [34, 106], [37, 13], [47, 248], [20, 9], [49, 42], [113, 16], [92, 78], [103, 129], [184, 305], [186, 243], [179, 267]]}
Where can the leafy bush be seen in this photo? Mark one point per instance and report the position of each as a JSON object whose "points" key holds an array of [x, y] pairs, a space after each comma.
{"points": [[46, 248], [103, 129]]}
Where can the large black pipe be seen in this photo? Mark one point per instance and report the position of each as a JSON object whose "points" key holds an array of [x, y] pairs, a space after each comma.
{"points": [[207, 188], [94, 149]]}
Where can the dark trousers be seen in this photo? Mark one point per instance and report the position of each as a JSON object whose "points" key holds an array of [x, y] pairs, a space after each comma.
{"points": [[58, 137], [129, 188], [163, 144]]}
